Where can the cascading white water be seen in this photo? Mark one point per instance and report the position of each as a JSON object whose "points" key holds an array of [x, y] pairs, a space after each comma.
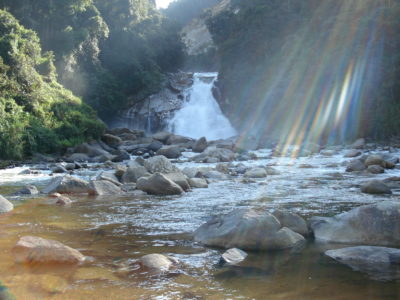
{"points": [[201, 115]]}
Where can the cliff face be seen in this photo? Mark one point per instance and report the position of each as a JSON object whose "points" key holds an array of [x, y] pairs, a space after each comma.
{"points": [[297, 69]]}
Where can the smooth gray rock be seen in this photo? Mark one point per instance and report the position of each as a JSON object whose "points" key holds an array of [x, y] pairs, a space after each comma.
{"points": [[103, 187], [180, 179], [375, 169], [67, 185], [170, 151], [158, 184], [375, 160], [247, 229], [155, 146], [375, 224], [5, 205], [256, 173], [200, 145], [358, 144], [292, 221], [174, 139], [198, 183], [109, 176], [80, 157], [272, 171], [233, 256], [159, 164], [356, 166], [134, 172], [380, 263], [59, 169], [375, 187], [111, 140], [32, 249], [162, 136], [352, 153], [214, 175]]}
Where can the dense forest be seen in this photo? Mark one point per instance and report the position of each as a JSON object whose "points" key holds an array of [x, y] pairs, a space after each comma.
{"points": [[109, 53], [286, 60]]}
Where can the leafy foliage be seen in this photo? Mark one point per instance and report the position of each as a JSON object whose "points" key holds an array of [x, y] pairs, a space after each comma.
{"points": [[36, 113]]}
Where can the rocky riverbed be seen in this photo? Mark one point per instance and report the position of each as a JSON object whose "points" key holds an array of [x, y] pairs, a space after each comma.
{"points": [[138, 217]]}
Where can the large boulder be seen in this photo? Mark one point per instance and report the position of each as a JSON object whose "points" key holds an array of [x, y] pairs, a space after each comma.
{"points": [[162, 136], [180, 179], [375, 160], [356, 166], [375, 187], [67, 185], [134, 172], [247, 229], [90, 150], [111, 140], [292, 221], [158, 184], [375, 224], [213, 155], [174, 139], [379, 262], [200, 145], [109, 176], [103, 187], [159, 164], [5, 205], [31, 249], [170, 151]]}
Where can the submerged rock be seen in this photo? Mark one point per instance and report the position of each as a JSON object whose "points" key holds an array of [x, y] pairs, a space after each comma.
{"points": [[158, 184], [379, 262], [28, 190], [247, 229], [31, 249], [375, 169], [67, 185], [375, 224], [375, 187], [157, 262], [233, 256], [5, 205]]}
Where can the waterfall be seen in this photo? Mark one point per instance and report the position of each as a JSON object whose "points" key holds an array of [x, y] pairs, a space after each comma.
{"points": [[201, 115]]}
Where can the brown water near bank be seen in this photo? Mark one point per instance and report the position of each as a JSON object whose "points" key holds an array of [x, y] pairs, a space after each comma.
{"points": [[302, 274], [114, 232]]}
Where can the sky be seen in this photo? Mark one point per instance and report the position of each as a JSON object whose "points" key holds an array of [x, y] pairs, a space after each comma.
{"points": [[163, 3]]}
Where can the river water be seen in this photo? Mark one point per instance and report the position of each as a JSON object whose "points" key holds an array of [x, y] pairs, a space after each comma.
{"points": [[115, 231]]}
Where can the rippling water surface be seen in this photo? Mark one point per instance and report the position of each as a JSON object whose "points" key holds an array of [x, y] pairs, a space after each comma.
{"points": [[114, 232]]}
